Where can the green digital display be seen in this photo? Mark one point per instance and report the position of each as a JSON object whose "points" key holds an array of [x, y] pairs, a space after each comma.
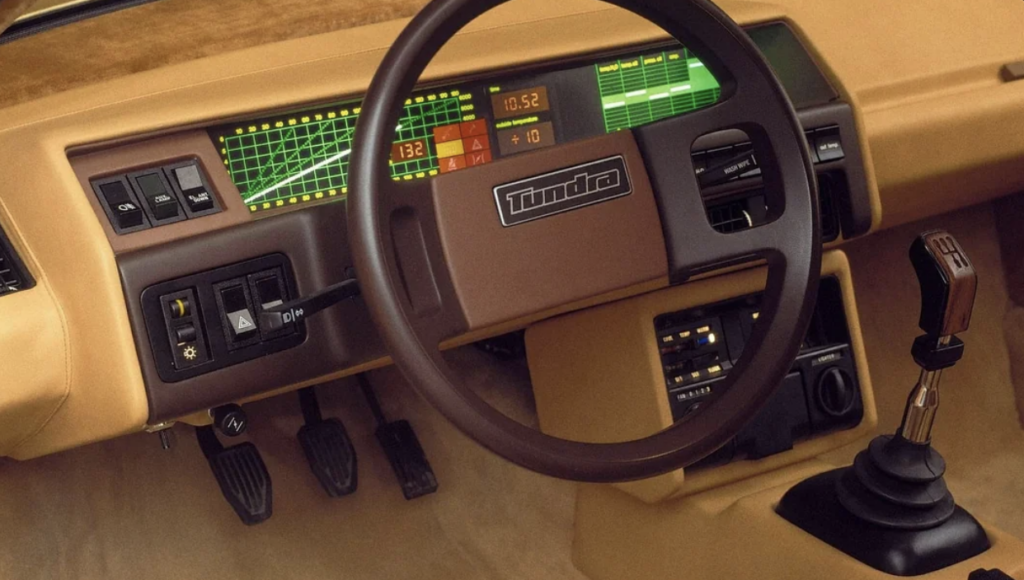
{"points": [[303, 157], [638, 90]]}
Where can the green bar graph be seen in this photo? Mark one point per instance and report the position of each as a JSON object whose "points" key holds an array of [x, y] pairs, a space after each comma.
{"points": [[639, 90]]}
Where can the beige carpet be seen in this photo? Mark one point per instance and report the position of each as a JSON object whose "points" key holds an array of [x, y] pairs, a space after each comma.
{"points": [[127, 509]]}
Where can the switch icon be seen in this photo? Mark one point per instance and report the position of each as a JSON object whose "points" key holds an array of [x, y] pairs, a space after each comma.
{"points": [[241, 322]]}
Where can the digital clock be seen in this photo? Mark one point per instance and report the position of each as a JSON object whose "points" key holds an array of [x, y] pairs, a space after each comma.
{"points": [[520, 102]]}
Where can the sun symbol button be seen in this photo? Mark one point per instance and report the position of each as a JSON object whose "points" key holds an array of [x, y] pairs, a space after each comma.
{"points": [[189, 352]]}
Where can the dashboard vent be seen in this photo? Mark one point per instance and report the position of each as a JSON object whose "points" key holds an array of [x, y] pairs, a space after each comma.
{"points": [[729, 217], [738, 213], [13, 275], [750, 210]]}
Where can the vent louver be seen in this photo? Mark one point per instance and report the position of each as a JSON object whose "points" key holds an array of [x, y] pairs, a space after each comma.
{"points": [[13, 275]]}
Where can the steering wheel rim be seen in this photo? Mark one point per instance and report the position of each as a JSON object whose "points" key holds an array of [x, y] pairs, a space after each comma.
{"points": [[790, 244]]}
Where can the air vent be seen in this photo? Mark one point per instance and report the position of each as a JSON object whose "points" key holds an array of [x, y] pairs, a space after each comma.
{"points": [[830, 185], [735, 214], [749, 211], [13, 275], [730, 217]]}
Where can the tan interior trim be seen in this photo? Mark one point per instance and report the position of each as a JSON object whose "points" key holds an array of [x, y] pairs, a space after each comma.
{"points": [[906, 102], [14, 10]]}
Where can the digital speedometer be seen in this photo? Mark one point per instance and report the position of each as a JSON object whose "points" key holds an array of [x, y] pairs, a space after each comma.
{"points": [[304, 156]]}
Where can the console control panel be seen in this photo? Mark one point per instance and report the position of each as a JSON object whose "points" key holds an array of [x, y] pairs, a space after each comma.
{"points": [[155, 196], [821, 394], [210, 320]]}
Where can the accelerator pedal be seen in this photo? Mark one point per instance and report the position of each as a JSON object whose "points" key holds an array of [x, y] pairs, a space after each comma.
{"points": [[242, 476], [403, 449], [328, 449]]}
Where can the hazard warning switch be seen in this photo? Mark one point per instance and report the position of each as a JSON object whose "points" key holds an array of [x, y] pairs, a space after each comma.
{"points": [[236, 308]]}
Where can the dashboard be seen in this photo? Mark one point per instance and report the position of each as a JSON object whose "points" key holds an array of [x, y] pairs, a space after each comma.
{"points": [[90, 354], [196, 324]]}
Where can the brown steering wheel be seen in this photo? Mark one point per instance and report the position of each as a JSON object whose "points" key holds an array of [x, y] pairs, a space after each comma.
{"points": [[404, 253]]}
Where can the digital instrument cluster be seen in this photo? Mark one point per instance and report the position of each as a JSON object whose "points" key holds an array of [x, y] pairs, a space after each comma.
{"points": [[303, 156]]}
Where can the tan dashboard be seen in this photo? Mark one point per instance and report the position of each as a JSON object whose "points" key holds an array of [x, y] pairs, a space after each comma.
{"points": [[71, 365]]}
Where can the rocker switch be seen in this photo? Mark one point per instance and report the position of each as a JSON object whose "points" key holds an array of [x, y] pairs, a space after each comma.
{"points": [[236, 310]]}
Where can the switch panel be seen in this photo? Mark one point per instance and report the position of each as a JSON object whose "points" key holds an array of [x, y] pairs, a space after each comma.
{"points": [[210, 320], [156, 196], [183, 327]]}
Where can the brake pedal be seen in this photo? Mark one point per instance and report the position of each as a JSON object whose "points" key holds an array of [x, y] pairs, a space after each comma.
{"points": [[328, 449], [403, 449], [242, 476]]}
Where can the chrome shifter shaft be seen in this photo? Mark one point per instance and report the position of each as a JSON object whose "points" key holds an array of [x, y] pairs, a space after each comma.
{"points": [[948, 286]]}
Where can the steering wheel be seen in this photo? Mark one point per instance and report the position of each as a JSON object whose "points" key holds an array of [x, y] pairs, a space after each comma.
{"points": [[422, 249]]}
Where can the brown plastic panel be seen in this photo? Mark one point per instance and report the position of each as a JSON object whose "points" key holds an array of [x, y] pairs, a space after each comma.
{"points": [[501, 273], [159, 151], [314, 241]]}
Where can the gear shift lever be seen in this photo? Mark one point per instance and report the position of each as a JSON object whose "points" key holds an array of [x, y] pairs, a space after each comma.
{"points": [[891, 509], [948, 285]]}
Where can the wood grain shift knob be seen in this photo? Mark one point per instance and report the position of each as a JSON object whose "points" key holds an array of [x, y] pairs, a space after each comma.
{"points": [[948, 283]]}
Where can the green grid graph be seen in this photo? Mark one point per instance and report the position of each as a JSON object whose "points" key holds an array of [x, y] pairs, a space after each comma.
{"points": [[305, 156], [639, 90]]}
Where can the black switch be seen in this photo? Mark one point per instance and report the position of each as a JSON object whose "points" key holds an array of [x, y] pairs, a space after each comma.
{"points": [[730, 169], [828, 145], [115, 193], [199, 201], [236, 309], [233, 298], [190, 181], [268, 292], [163, 205], [188, 178], [185, 333], [125, 212], [180, 307]]}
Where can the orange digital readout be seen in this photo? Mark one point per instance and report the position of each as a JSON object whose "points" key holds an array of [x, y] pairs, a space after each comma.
{"points": [[409, 150]]}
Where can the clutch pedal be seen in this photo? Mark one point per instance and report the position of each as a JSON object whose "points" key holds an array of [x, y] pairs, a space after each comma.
{"points": [[241, 474], [328, 449]]}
